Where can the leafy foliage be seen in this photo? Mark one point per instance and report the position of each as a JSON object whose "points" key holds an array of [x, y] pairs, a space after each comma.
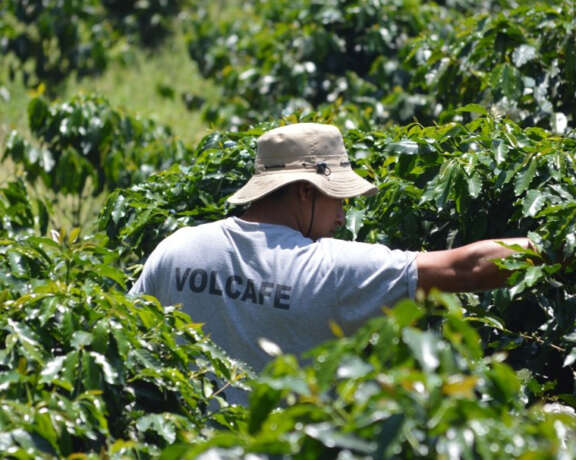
{"points": [[148, 21], [136, 219], [452, 184], [397, 61], [520, 63], [46, 42], [19, 213], [87, 369], [85, 139], [49, 40], [399, 388], [298, 55]]}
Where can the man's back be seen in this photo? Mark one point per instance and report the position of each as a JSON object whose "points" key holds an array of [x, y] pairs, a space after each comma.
{"points": [[247, 280]]}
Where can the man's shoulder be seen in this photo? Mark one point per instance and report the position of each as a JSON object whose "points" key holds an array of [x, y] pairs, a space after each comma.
{"points": [[348, 251], [204, 227], [336, 243], [190, 234]]}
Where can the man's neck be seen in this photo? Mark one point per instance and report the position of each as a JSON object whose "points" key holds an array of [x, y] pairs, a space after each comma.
{"points": [[267, 212]]}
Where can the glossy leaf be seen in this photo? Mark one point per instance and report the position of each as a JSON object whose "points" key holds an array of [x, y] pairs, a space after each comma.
{"points": [[424, 345]]}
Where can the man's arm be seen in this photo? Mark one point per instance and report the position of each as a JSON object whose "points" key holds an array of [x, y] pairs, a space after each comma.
{"points": [[468, 268]]}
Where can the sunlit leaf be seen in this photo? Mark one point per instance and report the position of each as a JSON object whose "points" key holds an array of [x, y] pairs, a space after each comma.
{"points": [[52, 369], [406, 312], [331, 438], [159, 424], [81, 339], [424, 345], [460, 387], [523, 54], [533, 203], [354, 218], [352, 367], [524, 178]]}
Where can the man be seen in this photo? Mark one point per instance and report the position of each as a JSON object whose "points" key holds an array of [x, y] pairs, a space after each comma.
{"points": [[275, 273]]}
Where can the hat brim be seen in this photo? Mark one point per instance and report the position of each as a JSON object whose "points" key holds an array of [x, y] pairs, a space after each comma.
{"points": [[340, 184]]}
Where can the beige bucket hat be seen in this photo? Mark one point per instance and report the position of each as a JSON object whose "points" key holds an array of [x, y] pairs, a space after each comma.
{"points": [[312, 152]]}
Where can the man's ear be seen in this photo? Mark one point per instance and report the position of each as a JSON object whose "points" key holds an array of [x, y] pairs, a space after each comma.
{"points": [[305, 191]]}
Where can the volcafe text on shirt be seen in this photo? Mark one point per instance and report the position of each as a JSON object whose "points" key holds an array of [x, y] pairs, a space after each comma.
{"points": [[237, 287]]}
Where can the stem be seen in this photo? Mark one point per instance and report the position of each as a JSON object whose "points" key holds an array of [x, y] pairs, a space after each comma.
{"points": [[77, 212]]}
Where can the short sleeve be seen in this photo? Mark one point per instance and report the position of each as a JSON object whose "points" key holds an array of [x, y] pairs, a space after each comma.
{"points": [[369, 277]]}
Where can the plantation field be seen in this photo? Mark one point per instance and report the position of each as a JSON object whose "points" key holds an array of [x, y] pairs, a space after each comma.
{"points": [[121, 122]]}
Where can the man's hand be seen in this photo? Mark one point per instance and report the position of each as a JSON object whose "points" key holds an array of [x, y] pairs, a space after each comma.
{"points": [[468, 268]]}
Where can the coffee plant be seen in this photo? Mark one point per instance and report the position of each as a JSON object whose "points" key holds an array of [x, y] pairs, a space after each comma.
{"points": [[19, 213], [460, 112], [520, 63], [136, 219], [85, 146], [49, 41], [84, 368], [399, 61], [399, 388], [299, 55], [441, 186]]}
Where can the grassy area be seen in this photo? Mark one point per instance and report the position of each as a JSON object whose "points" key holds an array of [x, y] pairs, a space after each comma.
{"points": [[135, 87], [150, 84], [13, 116]]}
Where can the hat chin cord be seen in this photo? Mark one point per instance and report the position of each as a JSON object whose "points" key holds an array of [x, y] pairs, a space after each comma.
{"points": [[307, 235]]}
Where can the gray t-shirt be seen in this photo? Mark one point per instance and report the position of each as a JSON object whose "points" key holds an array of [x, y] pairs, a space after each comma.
{"points": [[247, 281]]}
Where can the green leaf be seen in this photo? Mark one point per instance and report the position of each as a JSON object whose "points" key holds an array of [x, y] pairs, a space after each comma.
{"points": [[44, 425], [403, 148], [52, 369], [159, 424], [122, 341], [107, 271], [473, 108], [424, 346], [38, 112], [506, 384], [263, 400], [71, 367], [295, 384], [81, 339], [488, 320], [332, 438], [110, 375], [90, 373], [406, 312], [534, 274], [533, 203], [510, 82], [464, 337], [500, 149], [390, 431], [8, 378], [474, 185], [28, 340], [352, 367], [524, 177], [354, 219], [570, 358]]}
